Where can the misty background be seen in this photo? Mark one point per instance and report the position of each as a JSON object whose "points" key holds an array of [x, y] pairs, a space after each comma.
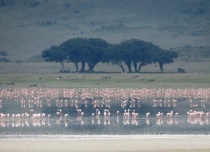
{"points": [[27, 27]]}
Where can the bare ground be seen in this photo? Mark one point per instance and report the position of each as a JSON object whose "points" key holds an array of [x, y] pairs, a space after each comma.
{"points": [[153, 143]]}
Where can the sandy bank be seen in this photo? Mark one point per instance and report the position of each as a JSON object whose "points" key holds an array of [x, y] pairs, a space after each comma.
{"points": [[166, 143]]}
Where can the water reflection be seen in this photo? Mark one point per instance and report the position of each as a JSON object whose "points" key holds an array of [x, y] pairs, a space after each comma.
{"points": [[100, 111], [117, 125], [127, 118]]}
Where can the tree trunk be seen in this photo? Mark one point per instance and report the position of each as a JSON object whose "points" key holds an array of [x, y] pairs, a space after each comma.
{"points": [[91, 67], [161, 67], [135, 66], [129, 67], [82, 67], [76, 66], [140, 65], [120, 65], [62, 64]]}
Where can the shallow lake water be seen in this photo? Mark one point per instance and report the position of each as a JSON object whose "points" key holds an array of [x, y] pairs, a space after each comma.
{"points": [[26, 115]]}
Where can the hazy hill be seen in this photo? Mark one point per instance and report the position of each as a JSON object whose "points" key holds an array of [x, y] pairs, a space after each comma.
{"points": [[27, 27]]}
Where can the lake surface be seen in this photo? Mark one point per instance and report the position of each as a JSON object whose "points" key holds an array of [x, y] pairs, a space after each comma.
{"points": [[28, 113]]}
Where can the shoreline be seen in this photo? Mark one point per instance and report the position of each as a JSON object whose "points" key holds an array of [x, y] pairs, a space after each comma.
{"points": [[140, 143], [84, 137]]}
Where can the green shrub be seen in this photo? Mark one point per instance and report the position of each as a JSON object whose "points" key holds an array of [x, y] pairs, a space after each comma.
{"points": [[180, 70]]}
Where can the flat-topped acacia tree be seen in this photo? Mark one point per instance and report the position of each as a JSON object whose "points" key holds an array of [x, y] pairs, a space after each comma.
{"points": [[54, 54], [164, 57], [84, 50], [137, 53], [94, 50], [113, 55], [74, 48]]}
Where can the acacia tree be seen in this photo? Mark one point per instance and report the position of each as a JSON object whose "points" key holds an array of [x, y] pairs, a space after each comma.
{"points": [[113, 55], [165, 57], [143, 53], [148, 52], [94, 51], [54, 54], [135, 53], [84, 50], [74, 48], [126, 55], [130, 52], [138, 53], [119, 53]]}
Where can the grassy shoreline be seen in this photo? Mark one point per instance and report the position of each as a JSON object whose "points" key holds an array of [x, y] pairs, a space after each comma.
{"points": [[45, 75], [115, 80]]}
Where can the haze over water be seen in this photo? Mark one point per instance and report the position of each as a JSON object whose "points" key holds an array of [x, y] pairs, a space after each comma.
{"points": [[33, 115]]}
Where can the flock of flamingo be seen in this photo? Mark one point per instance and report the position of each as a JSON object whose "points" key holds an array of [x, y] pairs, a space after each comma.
{"points": [[100, 102]]}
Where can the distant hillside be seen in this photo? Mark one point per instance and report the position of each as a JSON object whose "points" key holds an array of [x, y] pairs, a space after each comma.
{"points": [[193, 54], [30, 26]]}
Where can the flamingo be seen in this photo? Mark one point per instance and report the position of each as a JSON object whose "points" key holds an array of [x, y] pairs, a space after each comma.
{"points": [[158, 115], [118, 113], [66, 116], [43, 115], [176, 114], [147, 115], [59, 113]]}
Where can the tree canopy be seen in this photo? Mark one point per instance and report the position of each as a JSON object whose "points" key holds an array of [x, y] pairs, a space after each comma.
{"points": [[54, 54], [165, 57], [84, 50], [91, 51]]}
